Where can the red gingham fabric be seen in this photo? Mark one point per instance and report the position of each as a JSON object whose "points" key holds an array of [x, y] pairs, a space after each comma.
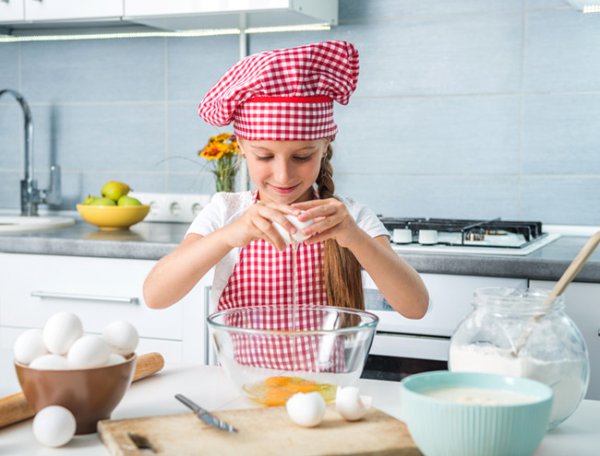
{"points": [[284, 94], [263, 276]]}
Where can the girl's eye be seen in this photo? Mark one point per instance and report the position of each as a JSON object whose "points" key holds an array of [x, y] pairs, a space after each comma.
{"points": [[305, 158], [258, 157]]}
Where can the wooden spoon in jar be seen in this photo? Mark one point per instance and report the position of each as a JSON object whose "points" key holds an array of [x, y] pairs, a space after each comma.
{"points": [[559, 288]]}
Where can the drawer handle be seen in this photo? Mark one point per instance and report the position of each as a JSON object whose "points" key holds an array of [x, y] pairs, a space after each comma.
{"points": [[84, 297]]}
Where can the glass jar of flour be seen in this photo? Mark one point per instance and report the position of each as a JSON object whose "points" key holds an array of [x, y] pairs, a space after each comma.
{"points": [[513, 332]]}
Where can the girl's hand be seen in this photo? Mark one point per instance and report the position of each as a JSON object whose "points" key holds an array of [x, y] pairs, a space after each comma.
{"points": [[331, 221], [257, 223]]}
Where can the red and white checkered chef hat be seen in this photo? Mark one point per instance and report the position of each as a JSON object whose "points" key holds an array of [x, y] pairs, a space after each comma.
{"points": [[285, 94]]}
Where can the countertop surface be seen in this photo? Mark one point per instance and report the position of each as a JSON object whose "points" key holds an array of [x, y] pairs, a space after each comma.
{"points": [[579, 435], [149, 240]]}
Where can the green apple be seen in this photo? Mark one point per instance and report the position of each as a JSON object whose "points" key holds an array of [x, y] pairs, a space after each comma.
{"points": [[115, 190], [128, 201], [89, 200], [103, 202]]}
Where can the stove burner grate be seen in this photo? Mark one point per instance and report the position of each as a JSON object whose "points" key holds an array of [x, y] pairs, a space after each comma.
{"points": [[471, 231]]}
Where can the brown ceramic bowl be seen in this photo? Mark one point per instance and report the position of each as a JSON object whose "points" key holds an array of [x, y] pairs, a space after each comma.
{"points": [[90, 394]]}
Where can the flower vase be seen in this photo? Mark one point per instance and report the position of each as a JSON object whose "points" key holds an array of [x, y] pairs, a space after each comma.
{"points": [[225, 183]]}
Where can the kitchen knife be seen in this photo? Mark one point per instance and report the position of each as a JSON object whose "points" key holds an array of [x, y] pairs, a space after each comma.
{"points": [[208, 418]]}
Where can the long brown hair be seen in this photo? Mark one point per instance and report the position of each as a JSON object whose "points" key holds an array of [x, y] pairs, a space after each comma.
{"points": [[341, 269]]}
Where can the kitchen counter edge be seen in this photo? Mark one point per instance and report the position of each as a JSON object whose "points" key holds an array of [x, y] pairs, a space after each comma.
{"points": [[152, 241]]}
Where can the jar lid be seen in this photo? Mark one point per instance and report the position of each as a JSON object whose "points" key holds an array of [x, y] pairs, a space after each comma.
{"points": [[517, 299]]}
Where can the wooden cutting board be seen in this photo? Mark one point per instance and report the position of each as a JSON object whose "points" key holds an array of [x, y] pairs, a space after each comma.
{"points": [[261, 431]]}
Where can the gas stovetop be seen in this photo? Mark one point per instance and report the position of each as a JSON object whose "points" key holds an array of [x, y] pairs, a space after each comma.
{"points": [[495, 236]]}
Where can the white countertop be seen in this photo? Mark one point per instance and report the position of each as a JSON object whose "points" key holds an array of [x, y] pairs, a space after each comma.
{"points": [[207, 385]]}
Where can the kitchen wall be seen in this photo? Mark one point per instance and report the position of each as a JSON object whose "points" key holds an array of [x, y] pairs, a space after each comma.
{"points": [[465, 108]]}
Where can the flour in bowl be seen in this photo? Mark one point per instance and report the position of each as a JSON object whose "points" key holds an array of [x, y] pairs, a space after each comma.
{"points": [[480, 396]]}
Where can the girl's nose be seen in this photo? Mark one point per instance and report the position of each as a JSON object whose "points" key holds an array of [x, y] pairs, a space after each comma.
{"points": [[282, 171]]}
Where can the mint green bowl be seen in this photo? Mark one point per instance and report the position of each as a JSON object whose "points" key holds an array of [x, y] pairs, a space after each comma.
{"points": [[447, 428]]}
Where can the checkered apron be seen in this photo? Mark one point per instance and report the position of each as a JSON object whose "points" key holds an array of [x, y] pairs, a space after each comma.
{"points": [[263, 276]]}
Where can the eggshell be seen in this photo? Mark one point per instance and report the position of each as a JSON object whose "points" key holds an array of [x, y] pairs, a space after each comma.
{"points": [[350, 404], [60, 331], [29, 345], [115, 358], [50, 362], [88, 351], [54, 426], [121, 337], [306, 409], [297, 236]]}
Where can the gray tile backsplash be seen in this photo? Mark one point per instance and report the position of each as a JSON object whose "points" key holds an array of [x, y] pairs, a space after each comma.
{"points": [[465, 108], [97, 71]]}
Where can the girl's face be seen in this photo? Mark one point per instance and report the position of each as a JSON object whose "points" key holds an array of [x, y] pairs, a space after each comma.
{"points": [[284, 171]]}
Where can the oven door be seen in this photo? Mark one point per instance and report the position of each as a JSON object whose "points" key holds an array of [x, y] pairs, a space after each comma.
{"points": [[403, 346], [395, 355]]}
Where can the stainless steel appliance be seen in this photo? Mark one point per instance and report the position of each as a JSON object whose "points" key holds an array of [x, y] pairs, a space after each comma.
{"points": [[489, 237]]}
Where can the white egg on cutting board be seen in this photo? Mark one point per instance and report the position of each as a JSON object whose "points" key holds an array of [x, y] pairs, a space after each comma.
{"points": [[306, 409], [54, 426], [61, 331], [88, 351], [350, 404], [29, 346], [50, 362], [121, 337]]}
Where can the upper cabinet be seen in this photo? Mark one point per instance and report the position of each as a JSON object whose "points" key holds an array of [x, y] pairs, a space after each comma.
{"points": [[12, 11], [23, 17], [214, 14], [60, 10]]}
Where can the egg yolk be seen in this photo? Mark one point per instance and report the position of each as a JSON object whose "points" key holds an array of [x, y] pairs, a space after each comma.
{"points": [[275, 391]]}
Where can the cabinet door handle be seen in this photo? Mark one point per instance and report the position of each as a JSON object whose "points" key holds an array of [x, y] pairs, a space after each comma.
{"points": [[85, 297]]}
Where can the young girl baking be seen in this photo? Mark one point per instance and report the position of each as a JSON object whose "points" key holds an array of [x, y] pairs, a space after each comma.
{"points": [[281, 106]]}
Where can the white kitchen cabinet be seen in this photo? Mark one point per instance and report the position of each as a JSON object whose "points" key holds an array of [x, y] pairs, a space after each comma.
{"points": [[216, 14], [582, 303], [27, 17], [61, 10], [12, 11], [99, 291]]}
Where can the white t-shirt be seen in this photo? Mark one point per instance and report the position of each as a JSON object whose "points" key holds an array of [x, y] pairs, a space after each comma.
{"points": [[225, 208]]}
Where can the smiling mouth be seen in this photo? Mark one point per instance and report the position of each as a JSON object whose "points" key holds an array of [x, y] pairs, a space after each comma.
{"points": [[284, 189]]}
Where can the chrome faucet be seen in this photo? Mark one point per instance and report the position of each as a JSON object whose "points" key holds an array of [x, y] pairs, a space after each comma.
{"points": [[31, 195]]}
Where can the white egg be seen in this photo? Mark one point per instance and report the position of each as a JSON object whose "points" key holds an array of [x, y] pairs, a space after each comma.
{"points": [[29, 345], [50, 362], [121, 337], [350, 404], [54, 426], [88, 351], [306, 409], [298, 236], [115, 358], [60, 331]]}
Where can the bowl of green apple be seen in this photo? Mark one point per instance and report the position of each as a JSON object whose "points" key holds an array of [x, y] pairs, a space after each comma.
{"points": [[114, 209]]}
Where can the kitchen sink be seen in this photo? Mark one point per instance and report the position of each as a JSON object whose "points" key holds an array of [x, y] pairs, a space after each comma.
{"points": [[24, 224]]}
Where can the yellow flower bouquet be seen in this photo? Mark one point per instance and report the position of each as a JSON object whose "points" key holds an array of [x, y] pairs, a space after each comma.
{"points": [[223, 154]]}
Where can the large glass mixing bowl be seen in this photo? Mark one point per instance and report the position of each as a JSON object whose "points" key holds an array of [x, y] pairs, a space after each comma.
{"points": [[273, 352]]}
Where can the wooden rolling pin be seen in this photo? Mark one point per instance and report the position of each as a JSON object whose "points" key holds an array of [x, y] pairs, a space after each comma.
{"points": [[15, 408]]}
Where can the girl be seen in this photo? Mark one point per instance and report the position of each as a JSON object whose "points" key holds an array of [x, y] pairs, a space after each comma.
{"points": [[281, 105]]}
